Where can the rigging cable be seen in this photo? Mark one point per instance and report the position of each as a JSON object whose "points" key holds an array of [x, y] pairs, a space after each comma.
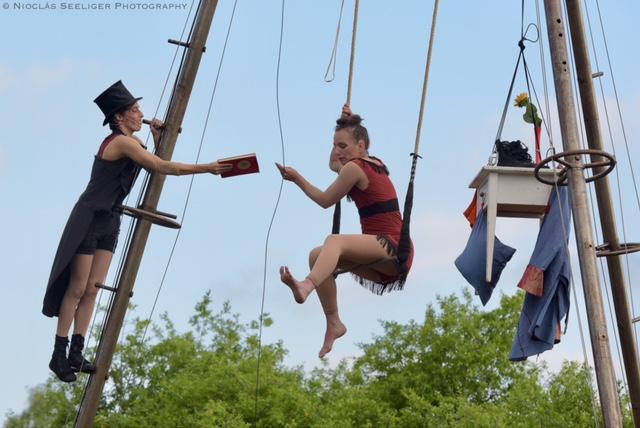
{"points": [[613, 146], [130, 228], [335, 228], [331, 67], [147, 175], [273, 216], [531, 84], [594, 225], [186, 202]]}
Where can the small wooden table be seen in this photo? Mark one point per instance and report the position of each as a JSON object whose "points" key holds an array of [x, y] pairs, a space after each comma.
{"points": [[507, 191]]}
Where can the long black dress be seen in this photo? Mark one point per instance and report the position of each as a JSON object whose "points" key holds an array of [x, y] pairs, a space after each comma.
{"points": [[110, 183]]}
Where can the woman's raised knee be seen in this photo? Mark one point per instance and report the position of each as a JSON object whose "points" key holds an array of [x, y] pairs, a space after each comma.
{"points": [[332, 240], [313, 256]]}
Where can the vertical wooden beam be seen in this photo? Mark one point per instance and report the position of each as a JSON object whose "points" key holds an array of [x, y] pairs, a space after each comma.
{"points": [[175, 115], [605, 206], [581, 219]]}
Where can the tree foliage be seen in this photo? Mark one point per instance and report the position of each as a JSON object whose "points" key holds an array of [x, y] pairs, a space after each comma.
{"points": [[451, 369]]}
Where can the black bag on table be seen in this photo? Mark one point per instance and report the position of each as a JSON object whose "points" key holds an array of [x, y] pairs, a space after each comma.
{"points": [[513, 153]]}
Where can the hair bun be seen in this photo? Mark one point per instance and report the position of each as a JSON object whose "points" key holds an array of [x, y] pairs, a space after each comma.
{"points": [[347, 121]]}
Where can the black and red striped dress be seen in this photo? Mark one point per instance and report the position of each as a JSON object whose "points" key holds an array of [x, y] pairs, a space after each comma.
{"points": [[380, 216]]}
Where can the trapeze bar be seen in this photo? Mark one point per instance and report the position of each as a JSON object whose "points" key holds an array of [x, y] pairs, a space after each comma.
{"points": [[154, 217]]}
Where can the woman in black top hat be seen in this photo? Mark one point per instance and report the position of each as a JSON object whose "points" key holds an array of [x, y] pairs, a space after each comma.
{"points": [[90, 236]]}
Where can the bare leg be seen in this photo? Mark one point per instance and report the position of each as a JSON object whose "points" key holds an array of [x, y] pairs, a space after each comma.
{"points": [[337, 251], [349, 250], [80, 270], [300, 289], [328, 295], [98, 274]]}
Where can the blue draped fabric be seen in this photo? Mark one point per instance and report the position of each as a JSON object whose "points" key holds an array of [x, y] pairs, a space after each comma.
{"points": [[472, 262], [541, 316]]}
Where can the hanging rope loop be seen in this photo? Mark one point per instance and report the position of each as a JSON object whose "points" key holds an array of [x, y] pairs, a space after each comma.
{"points": [[335, 227], [330, 74]]}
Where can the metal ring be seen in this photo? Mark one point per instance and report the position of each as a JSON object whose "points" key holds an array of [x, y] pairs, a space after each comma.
{"points": [[605, 250], [601, 168]]}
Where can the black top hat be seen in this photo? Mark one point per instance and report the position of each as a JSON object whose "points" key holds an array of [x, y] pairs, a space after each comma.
{"points": [[115, 99]]}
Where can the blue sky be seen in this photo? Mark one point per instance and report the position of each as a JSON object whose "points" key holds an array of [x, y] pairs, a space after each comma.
{"points": [[55, 62]]}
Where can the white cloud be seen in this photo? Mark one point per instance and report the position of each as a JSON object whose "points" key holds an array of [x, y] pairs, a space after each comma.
{"points": [[45, 75], [38, 76], [441, 237]]}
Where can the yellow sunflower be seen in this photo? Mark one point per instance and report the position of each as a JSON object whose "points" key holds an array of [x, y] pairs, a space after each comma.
{"points": [[522, 100]]}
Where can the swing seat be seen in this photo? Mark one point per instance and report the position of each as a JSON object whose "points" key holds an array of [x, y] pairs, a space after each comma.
{"points": [[509, 192]]}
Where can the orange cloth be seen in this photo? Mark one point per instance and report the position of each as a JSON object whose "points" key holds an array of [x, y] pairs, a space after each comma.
{"points": [[532, 281], [471, 213]]}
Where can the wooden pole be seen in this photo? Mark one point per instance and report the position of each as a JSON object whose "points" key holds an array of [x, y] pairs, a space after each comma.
{"points": [[175, 115], [581, 219], [605, 206]]}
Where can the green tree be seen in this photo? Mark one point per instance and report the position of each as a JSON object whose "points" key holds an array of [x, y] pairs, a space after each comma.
{"points": [[451, 369]]}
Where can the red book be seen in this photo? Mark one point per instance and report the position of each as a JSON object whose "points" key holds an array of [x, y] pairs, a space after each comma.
{"points": [[243, 164]]}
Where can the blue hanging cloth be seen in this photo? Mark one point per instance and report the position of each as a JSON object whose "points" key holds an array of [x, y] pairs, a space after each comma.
{"points": [[539, 326], [472, 262]]}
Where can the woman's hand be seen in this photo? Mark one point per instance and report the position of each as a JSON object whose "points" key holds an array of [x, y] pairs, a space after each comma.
{"points": [[156, 127], [218, 168], [346, 111], [289, 173]]}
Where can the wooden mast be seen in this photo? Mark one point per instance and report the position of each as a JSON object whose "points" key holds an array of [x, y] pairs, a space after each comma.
{"points": [[581, 219], [173, 122], [605, 206]]}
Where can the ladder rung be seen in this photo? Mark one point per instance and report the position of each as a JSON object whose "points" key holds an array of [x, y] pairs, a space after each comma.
{"points": [[155, 217], [106, 287]]}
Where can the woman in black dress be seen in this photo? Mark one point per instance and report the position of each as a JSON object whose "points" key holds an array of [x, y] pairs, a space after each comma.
{"points": [[91, 234]]}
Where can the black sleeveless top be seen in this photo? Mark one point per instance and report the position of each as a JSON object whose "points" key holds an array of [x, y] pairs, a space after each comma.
{"points": [[109, 185]]}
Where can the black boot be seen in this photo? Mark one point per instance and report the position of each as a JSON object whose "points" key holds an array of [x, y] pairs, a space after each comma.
{"points": [[76, 359], [59, 364]]}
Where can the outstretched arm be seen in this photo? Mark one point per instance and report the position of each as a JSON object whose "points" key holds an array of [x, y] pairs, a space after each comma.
{"points": [[350, 175], [131, 148]]}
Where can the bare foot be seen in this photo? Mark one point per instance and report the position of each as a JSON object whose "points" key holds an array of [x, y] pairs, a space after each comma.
{"points": [[301, 289], [334, 331]]}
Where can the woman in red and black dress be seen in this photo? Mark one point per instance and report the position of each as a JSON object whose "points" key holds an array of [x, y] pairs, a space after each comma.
{"points": [[371, 256], [91, 234]]}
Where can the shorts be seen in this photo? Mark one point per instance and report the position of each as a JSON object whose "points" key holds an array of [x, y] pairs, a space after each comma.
{"points": [[102, 234]]}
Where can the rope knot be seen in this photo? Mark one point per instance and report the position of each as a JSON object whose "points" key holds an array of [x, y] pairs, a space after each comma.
{"points": [[521, 43]]}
